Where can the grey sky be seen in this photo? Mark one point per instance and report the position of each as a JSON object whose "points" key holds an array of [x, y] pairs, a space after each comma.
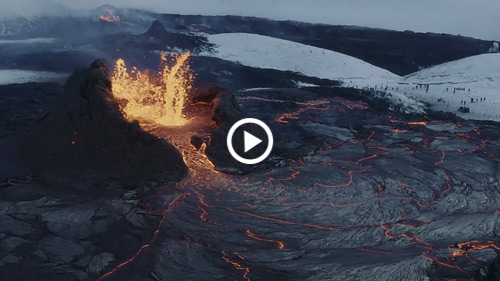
{"points": [[476, 18]]}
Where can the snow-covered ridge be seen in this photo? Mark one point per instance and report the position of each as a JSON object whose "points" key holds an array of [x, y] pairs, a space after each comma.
{"points": [[268, 52], [272, 53], [484, 69], [472, 83]]}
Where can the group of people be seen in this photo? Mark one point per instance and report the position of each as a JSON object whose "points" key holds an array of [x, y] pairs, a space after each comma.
{"points": [[464, 104], [472, 100]]}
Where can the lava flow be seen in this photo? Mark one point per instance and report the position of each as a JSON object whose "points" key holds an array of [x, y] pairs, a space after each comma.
{"points": [[154, 97], [238, 226], [111, 17]]}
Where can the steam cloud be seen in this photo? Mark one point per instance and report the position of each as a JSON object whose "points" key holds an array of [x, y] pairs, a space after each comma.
{"points": [[469, 18]]}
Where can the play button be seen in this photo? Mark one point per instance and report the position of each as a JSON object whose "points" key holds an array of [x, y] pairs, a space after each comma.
{"points": [[249, 144], [250, 141]]}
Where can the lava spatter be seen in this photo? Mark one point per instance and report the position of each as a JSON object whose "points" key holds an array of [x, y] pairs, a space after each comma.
{"points": [[154, 97]]}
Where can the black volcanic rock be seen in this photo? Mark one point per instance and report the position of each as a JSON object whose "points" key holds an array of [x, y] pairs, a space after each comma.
{"points": [[157, 30], [388, 202], [158, 38], [225, 112], [208, 95], [197, 142], [225, 109], [87, 135]]}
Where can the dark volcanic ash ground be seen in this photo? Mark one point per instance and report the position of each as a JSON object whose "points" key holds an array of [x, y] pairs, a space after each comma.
{"points": [[352, 191]]}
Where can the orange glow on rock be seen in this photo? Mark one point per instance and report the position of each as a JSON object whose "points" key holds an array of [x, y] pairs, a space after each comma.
{"points": [[280, 244], [110, 16]]}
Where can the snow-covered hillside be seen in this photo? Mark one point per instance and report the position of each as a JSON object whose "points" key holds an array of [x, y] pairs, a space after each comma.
{"points": [[481, 69], [473, 82], [272, 53], [268, 52]]}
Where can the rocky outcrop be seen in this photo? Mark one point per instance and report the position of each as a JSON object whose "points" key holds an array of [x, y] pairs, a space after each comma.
{"points": [[158, 38], [225, 112], [208, 95], [157, 31], [86, 133]]}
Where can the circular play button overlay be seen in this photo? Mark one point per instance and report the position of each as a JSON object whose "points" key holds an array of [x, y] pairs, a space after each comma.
{"points": [[251, 140]]}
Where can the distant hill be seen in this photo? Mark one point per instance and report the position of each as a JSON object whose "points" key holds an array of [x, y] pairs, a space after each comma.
{"points": [[399, 52]]}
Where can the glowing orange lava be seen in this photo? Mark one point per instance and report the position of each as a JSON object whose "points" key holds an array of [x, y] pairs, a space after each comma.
{"points": [[157, 98], [280, 244], [109, 16]]}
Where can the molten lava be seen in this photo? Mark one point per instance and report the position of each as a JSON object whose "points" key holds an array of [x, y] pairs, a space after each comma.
{"points": [[154, 98], [111, 17]]}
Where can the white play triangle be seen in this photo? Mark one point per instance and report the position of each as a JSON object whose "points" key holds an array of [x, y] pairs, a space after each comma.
{"points": [[250, 140]]}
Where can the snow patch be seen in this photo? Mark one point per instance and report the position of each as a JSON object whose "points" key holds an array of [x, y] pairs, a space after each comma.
{"points": [[300, 84], [29, 41], [16, 76], [254, 89]]}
